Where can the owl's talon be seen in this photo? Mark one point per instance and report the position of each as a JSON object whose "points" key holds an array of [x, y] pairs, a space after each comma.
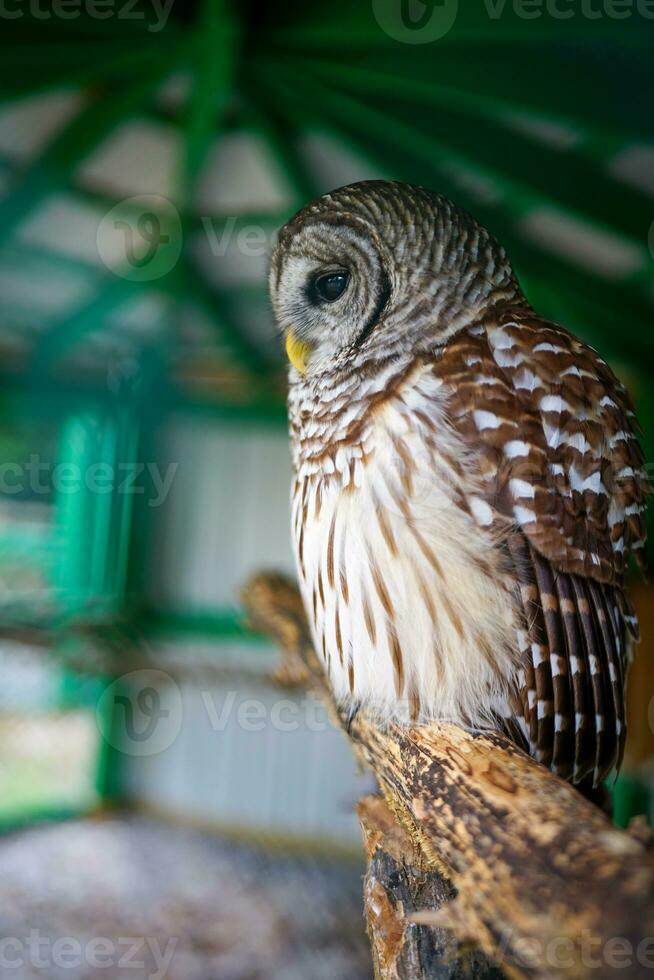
{"points": [[349, 718]]}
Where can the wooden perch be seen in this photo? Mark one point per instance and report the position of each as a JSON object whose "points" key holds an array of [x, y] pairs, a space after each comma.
{"points": [[399, 884], [544, 884]]}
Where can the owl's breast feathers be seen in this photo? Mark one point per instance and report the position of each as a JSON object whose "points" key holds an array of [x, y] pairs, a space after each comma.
{"points": [[462, 525]]}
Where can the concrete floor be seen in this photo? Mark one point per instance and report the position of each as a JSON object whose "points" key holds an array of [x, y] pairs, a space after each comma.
{"points": [[130, 898]]}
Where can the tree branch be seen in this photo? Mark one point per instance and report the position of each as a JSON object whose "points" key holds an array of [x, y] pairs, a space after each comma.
{"points": [[545, 884]]}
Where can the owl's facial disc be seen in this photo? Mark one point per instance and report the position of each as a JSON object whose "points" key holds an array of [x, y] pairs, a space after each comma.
{"points": [[326, 283], [323, 287]]}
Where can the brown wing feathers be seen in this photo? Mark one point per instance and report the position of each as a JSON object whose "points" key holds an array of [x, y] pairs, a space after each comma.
{"points": [[572, 695], [564, 731], [612, 673], [552, 430], [538, 675]]}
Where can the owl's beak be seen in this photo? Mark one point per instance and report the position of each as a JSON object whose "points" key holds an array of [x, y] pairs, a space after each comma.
{"points": [[298, 352]]}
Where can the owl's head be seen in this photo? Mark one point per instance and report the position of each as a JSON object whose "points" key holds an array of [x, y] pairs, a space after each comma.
{"points": [[380, 266]]}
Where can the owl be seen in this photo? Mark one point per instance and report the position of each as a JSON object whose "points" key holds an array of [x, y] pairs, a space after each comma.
{"points": [[468, 486]]}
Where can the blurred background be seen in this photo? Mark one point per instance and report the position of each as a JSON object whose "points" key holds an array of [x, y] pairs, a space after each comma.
{"points": [[155, 785]]}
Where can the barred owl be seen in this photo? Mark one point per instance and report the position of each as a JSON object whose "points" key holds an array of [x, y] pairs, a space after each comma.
{"points": [[468, 486]]}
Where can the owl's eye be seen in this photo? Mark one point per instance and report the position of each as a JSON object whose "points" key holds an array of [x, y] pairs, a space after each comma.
{"points": [[329, 286]]}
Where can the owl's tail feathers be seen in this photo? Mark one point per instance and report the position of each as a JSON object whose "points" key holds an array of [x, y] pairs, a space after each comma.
{"points": [[515, 728], [599, 795]]}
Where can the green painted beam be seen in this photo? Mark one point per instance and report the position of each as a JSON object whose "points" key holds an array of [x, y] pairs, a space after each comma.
{"points": [[477, 127], [571, 77], [261, 412], [244, 351], [21, 254], [10, 823], [216, 37], [518, 195], [76, 64], [54, 167], [228, 624], [281, 140], [191, 221], [28, 391], [90, 316]]}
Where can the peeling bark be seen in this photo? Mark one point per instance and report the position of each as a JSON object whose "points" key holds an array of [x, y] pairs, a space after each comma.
{"points": [[399, 885], [486, 846]]}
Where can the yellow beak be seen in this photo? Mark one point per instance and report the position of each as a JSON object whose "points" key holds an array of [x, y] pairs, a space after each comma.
{"points": [[297, 352]]}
